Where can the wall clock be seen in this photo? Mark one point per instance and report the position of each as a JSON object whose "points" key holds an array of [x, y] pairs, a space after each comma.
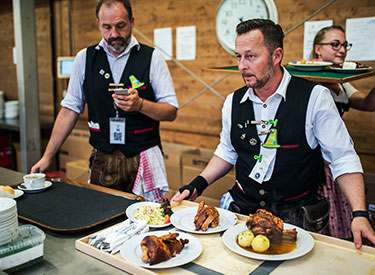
{"points": [[232, 12]]}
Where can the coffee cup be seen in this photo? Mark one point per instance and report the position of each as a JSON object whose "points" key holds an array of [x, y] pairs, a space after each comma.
{"points": [[33, 181]]}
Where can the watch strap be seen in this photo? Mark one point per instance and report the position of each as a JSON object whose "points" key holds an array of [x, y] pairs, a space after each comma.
{"points": [[361, 213]]}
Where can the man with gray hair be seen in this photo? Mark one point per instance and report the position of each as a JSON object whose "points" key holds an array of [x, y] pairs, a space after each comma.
{"points": [[124, 128]]}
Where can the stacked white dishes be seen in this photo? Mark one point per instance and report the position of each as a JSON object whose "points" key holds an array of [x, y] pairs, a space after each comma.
{"points": [[8, 220], [11, 109], [1, 104]]}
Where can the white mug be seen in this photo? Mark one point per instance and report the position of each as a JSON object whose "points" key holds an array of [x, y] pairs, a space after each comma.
{"points": [[33, 181]]}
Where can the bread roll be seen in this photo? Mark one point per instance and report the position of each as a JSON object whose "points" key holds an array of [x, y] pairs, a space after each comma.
{"points": [[7, 189]]}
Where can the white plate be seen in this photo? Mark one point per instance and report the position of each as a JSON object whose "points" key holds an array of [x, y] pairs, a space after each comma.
{"points": [[184, 219], [130, 211], [305, 244], [350, 71], [17, 193], [131, 250], [22, 187], [317, 66], [7, 205]]}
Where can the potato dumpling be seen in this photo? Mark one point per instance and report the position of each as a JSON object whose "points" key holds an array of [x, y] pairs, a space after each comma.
{"points": [[245, 238], [260, 243]]}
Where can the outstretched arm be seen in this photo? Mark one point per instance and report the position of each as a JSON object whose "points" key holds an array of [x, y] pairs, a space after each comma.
{"points": [[363, 102], [64, 124], [215, 169], [353, 187]]}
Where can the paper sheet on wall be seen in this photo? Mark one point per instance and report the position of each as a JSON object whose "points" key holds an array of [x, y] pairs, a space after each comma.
{"points": [[186, 43], [310, 30], [163, 42], [361, 33]]}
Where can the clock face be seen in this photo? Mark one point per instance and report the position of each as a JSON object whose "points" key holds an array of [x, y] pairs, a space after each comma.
{"points": [[232, 12]]}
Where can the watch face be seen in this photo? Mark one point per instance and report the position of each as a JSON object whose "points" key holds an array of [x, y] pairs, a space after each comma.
{"points": [[232, 12]]}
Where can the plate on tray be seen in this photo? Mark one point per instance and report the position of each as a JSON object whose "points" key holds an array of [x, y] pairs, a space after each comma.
{"points": [[132, 209], [131, 250], [350, 71], [305, 244], [313, 66], [183, 219]]}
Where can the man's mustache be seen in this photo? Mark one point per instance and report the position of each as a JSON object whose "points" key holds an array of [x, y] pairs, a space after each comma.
{"points": [[120, 39]]}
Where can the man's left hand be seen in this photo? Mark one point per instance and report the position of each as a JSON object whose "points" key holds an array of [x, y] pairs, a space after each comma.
{"points": [[128, 103], [361, 228]]}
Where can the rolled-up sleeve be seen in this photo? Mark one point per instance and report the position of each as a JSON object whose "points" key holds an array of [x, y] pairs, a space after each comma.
{"points": [[325, 127], [75, 97], [225, 149], [161, 80]]}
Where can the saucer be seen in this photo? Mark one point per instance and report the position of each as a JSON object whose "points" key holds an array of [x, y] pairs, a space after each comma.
{"points": [[22, 187], [17, 193]]}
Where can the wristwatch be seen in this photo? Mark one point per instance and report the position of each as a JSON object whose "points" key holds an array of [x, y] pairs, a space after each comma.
{"points": [[361, 213]]}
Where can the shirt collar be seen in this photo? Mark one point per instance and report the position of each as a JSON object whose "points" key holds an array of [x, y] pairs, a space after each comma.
{"points": [[133, 43], [281, 89]]}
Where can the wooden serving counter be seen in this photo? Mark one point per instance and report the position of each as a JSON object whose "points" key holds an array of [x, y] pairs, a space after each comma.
{"points": [[329, 256]]}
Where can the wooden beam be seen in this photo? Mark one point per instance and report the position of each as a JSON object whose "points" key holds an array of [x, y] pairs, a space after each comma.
{"points": [[27, 81]]}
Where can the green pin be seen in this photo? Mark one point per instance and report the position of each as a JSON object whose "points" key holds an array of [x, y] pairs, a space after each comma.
{"points": [[273, 122], [259, 158]]}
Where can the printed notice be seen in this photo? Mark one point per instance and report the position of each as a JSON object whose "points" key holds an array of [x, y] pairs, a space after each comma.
{"points": [[163, 42], [360, 32], [186, 43], [311, 28]]}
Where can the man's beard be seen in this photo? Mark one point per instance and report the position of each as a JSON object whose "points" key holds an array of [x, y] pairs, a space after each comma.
{"points": [[118, 47], [260, 83]]}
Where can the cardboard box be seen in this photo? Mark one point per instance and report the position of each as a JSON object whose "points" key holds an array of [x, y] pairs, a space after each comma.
{"points": [[64, 159], [172, 154], [77, 144], [78, 170], [193, 164]]}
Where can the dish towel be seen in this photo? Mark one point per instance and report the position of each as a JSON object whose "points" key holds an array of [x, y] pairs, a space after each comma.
{"points": [[151, 180], [111, 239]]}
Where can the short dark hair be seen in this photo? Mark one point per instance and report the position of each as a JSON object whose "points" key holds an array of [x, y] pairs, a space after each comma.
{"points": [[126, 4], [273, 34]]}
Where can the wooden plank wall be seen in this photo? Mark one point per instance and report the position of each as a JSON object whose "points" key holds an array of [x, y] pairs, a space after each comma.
{"points": [[198, 123]]}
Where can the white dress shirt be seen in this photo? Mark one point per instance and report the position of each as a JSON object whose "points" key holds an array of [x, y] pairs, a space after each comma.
{"points": [[324, 127], [160, 78]]}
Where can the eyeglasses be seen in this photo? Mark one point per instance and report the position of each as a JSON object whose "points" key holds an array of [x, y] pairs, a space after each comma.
{"points": [[337, 45]]}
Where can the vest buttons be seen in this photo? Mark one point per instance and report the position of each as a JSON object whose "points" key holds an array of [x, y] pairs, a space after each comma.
{"points": [[263, 126], [257, 175], [262, 192], [253, 142], [264, 105], [262, 203]]}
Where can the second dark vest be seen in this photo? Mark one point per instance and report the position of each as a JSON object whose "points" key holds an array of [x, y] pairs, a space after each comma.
{"points": [[296, 165]]}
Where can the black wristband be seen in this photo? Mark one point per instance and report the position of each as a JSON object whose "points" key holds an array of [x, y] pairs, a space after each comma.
{"points": [[198, 183], [361, 213]]}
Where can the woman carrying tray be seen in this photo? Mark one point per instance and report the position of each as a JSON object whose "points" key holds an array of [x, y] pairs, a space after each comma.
{"points": [[330, 45]]}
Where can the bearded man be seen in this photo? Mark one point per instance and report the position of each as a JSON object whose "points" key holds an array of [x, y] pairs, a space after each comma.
{"points": [[124, 128], [276, 130]]}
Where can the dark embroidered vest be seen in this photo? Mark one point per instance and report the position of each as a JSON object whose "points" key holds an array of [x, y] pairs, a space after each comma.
{"points": [[296, 166], [142, 132]]}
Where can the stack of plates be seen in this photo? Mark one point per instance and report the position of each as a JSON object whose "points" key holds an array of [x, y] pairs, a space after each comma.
{"points": [[8, 220]]}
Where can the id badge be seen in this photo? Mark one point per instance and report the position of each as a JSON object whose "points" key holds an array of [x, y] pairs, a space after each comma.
{"points": [[117, 130]]}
